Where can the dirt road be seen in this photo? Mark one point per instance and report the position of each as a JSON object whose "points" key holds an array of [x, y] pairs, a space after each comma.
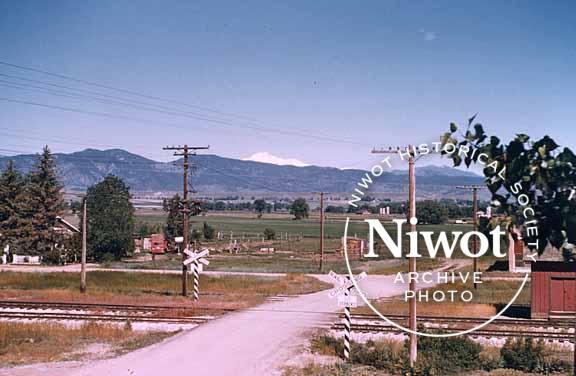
{"points": [[258, 341]]}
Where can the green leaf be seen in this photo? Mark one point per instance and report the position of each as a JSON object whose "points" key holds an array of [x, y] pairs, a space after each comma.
{"points": [[453, 127]]}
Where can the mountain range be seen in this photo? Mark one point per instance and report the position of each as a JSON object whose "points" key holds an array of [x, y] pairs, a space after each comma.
{"points": [[215, 174]]}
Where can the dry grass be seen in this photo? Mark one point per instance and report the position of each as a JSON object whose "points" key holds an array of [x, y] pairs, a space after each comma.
{"points": [[229, 292], [486, 296], [402, 266], [41, 342]]}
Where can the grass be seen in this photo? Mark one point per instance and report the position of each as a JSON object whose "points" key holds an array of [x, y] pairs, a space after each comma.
{"points": [[309, 228], [446, 356], [249, 262], [41, 342], [140, 288], [487, 296], [402, 266]]}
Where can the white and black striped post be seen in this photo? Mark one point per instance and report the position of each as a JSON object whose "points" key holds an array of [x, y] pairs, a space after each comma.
{"points": [[196, 280], [347, 326]]}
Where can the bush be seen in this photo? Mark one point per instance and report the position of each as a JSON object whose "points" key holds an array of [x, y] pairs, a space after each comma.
{"points": [[208, 231], [525, 354], [269, 234], [386, 355], [490, 359], [444, 356]]}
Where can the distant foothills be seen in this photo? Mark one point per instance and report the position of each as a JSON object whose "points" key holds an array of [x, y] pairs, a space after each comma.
{"points": [[214, 174]]}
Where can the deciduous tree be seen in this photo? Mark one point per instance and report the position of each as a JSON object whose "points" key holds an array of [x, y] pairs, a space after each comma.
{"points": [[540, 170], [300, 208], [110, 220]]}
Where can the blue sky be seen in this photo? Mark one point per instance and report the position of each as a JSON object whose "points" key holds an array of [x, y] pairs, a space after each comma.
{"points": [[349, 75]]}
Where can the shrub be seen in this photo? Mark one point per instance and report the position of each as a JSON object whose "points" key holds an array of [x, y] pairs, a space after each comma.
{"points": [[490, 359], [208, 231], [444, 356], [269, 233], [387, 355], [525, 354]]}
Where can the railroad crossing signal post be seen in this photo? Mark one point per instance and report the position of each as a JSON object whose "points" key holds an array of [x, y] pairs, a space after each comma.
{"points": [[185, 152], [474, 189], [411, 151], [343, 291], [196, 259]]}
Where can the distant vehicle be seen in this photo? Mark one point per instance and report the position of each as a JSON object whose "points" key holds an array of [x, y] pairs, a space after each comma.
{"points": [[159, 244]]}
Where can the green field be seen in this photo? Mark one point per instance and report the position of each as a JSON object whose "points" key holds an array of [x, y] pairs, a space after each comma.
{"points": [[300, 254], [250, 224]]}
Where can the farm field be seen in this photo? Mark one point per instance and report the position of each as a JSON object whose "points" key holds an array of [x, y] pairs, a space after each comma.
{"points": [[248, 222], [297, 244]]}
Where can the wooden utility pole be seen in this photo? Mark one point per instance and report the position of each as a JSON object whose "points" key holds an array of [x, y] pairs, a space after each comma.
{"points": [[412, 319], [185, 152], [75, 229], [474, 189], [83, 259], [321, 231]]}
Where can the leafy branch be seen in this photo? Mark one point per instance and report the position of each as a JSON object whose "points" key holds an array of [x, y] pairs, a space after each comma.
{"points": [[540, 170]]}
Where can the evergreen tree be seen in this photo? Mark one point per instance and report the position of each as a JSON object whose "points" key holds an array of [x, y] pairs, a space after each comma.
{"points": [[11, 193], [41, 205], [110, 220]]}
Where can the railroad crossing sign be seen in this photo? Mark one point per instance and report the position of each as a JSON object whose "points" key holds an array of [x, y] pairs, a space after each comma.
{"points": [[199, 257], [198, 260], [344, 284]]}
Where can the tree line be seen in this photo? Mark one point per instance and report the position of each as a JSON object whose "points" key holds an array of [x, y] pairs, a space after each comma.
{"points": [[32, 204]]}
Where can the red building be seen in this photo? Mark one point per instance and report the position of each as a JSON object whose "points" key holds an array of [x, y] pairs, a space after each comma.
{"points": [[553, 289]]}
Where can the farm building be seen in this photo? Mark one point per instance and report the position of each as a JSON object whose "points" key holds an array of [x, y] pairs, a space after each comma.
{"points": [[553, 289]]}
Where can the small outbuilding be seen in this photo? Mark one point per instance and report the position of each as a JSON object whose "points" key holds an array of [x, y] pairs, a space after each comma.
{"points": [[553, 290]]}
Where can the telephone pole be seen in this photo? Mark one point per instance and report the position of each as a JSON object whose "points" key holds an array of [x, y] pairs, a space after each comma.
{"points": [[411, 151], [185, 152], [73, 228], [321, 231], [474, 189], [83, 260]]}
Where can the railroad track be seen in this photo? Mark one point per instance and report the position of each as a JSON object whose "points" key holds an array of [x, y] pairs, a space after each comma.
{"points": [[34, 310], [488, 333], [533, 323], [105, 312], [557, 330]]}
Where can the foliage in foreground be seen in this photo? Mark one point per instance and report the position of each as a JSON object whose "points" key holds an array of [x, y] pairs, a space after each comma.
{"points": [[538, 174], [525, 354], [446, 356]]}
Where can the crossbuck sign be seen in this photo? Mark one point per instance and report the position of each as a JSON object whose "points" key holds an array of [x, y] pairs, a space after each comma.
{"points": [[197, 256], [344, 286], [198, 260]]}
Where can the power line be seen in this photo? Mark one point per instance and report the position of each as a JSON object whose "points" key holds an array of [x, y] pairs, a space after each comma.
{"points": [[120, 90], [198, 117]]}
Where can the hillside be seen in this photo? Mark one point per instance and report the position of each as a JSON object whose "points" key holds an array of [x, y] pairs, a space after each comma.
{"points": [[218, 174]]}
